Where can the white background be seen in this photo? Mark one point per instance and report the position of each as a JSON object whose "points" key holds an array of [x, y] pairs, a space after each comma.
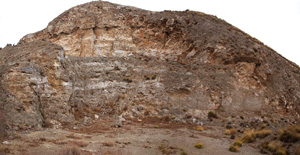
{"points": [[274, 22]]}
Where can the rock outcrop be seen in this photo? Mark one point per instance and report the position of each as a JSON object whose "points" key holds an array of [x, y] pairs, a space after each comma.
{"points": [[35, 84], [105, 59]]}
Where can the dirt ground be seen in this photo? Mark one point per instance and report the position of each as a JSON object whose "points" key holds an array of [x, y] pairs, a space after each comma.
{"points": [[132, 138]]}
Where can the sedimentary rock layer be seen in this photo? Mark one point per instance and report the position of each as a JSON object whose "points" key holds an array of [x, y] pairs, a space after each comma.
{"points": [[106, 59]]}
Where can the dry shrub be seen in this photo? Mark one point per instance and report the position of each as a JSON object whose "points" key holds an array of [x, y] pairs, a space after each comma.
{"points": [[183, 153], [199, 145], [249, 136], [70, 151], [231, 131], [276, 148], [289, 134], [199, 128], [163, 148], [263, 133], [263, 125], [166, 149], [233, 148], [263, 147], [238, 143], [273, 146], [280, 151]]}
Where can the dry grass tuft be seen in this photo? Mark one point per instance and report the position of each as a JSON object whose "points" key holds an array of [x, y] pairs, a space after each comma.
{"points": [[249, 136], [166, 149], [280, 151], [199, 145], [238, 143], [290, 134], [231, 131], [233, 148], [263, 133], [183, 153], [199, 128], [275, 147]]}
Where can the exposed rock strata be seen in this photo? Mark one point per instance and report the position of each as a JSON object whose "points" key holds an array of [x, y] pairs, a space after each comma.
{"points": [[35, 85], [123, 60]]}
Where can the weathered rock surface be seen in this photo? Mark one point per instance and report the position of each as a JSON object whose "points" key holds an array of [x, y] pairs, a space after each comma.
{"points": [[35, 84], [105, 59]]}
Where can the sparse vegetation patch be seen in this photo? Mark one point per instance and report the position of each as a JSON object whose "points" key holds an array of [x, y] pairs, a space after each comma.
{"points": [[199, 128], [263, 133], [231, 131], [238, 143], [251, 135], [290, 134], [199, 145], [233, 148]]}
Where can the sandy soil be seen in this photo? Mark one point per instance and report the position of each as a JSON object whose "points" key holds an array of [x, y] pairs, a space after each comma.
{"points": [[133, 138]]}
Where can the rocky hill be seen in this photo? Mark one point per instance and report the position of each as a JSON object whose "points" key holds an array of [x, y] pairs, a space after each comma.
{"points": [[101, 59]]}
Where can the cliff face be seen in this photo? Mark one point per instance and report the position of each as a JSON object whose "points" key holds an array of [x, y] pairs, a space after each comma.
{"points": [[105, 59], [35, 84]]}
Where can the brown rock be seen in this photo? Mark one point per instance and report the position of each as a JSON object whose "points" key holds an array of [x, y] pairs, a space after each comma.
{"points": [[123, 60], [35, 84], [2, 124]]}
